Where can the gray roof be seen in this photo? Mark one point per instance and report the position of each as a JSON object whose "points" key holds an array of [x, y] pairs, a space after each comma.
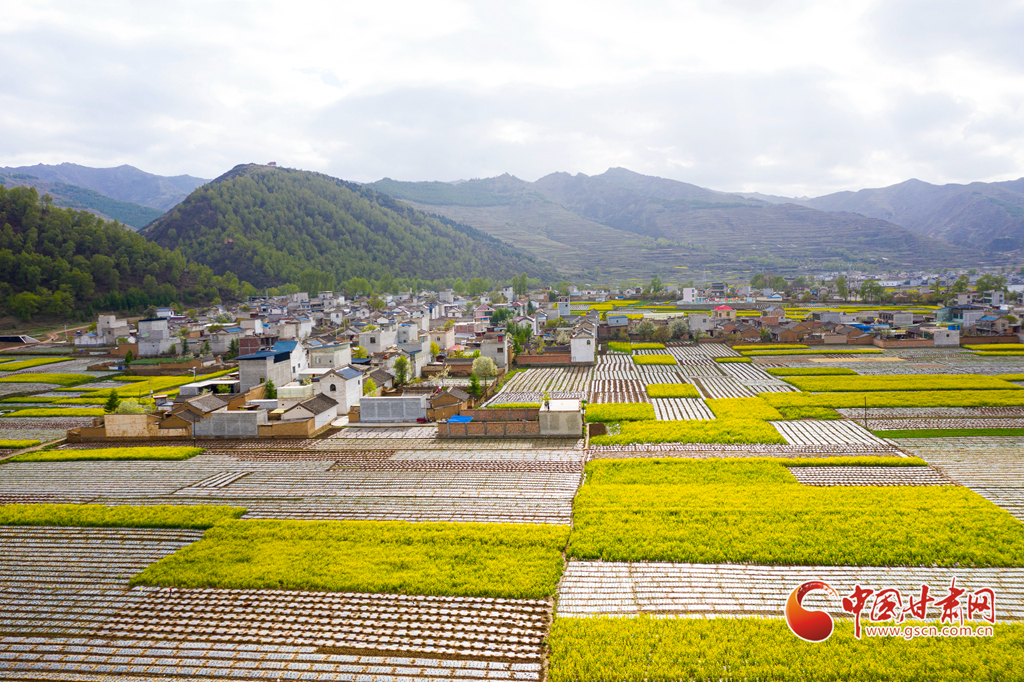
{"points": [[208, 402], [319, 403]]}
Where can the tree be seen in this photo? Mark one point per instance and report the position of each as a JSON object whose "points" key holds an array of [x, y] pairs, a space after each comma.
{"points": [[435, 350], [499, 316], [474, 385], [401, 370], [360, 353], [173, 349], [369, 387], [841, 287], [961, 285], [25, 305], [562, 338], [765, 334], [484, 367], [656, 286], [377, 303], [269, 390], [206, 346], [112, 402], [233, 349], [990, 283], [520, 285], [662, 334], [128, 357], [132, 406], [645, 330], [678, 328], [697, 334], [871, 290]]}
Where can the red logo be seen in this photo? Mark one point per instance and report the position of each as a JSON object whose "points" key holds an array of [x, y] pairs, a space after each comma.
{"points": [[810, 626]]}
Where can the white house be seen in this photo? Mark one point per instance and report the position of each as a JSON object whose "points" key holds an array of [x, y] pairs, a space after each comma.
{"points": [[345, 385], [583, 344], [321, 408]]}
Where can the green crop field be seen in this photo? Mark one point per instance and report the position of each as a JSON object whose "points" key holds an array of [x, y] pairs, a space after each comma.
{"points": [[948, 433], [693, 431], [27, 364], [652, 649], [101, 454], [17, 444], [773, 346], [781, 401], [672, 391], [917, 382], [619, 412], [755, 511], [743, 408], [654, 360], [515, 561], [47, 378], [809, 371], [816, 351], [995, 346], [56, 412], [155, 516], [734, 359]]}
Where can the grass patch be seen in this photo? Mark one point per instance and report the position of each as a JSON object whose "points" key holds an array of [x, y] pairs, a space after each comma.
{"points": [[654, 360], [727, 649], [782, 401], [515, 561], [809, 371], [52, 399], [995, 346], [754, 511], [102, 454], [734, 359], [619, 412], [817, 351], [776, 346], [57, 412], [514, 406], [672, 391], [27, 364], [946, 433], [693, 431], [742, 408], [48, 378], [919, 382], [88, 515], [17, 444]]}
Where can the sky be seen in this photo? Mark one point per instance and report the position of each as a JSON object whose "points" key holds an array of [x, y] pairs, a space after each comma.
{"points": [[780, 97]]}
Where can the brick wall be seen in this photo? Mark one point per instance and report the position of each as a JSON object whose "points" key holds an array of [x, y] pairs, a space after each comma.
{"points": [[489, 430], [502, 414]]}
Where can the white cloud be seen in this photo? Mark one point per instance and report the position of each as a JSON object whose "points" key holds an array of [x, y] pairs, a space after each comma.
{"points": [[783, 96]]}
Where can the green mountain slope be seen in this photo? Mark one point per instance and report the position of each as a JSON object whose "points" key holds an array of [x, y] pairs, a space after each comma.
{"points": [[631, 225], [271, 225], [73, 196], [64, 263]]}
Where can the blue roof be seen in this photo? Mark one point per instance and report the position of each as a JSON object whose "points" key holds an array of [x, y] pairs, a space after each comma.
{"points": [[257, 355], [234, 329], [349, 373], [285, 346]]}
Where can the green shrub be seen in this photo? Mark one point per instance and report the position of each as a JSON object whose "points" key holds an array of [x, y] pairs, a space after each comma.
{"points": [[782, 401], [619, 412], [733, 359], [649, 648], [515, 561], [26, 364], [772, 346], [17, 444], [809, 371], [57, 412], [47, 378], [100, 454], [919, 382], [693, 431], [817, 351], [654, 360], [755, 511], [743, 408], [84, 515], [672, 391]]}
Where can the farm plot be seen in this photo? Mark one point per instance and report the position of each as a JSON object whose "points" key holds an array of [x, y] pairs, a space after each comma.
{"points": [[833, 432], [723, 387], [917, 424], [867, 475], [931, 412], [618, 391], [668, 409]]}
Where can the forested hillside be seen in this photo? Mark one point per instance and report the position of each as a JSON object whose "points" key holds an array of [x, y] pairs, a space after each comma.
{"points": [[275, 225], [73, 196], [66, 263]]}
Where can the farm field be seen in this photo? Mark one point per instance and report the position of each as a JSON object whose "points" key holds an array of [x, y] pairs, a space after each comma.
{"points": [[391, 554]]}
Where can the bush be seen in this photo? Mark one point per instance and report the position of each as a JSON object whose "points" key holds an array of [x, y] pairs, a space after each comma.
{"points": [[619, 412], [17, 444], [693, 431], [57, 412], [654, 360], [782, 401], [27, 364], [672, 391], [742, 408], [733, 359], [47, 378], [100, 454], [515, 561], [755, 511], [86, 515], [810, 371], [919, 382], [817, 351], [659, 649]]}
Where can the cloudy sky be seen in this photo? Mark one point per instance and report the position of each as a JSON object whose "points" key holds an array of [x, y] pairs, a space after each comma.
{"points": [[784, 97]]}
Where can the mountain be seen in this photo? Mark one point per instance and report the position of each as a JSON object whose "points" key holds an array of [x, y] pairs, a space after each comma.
{"points": [[272, 226], [988, 216], [631, 225], [72, 196], [124, 183], [63, 263]]}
